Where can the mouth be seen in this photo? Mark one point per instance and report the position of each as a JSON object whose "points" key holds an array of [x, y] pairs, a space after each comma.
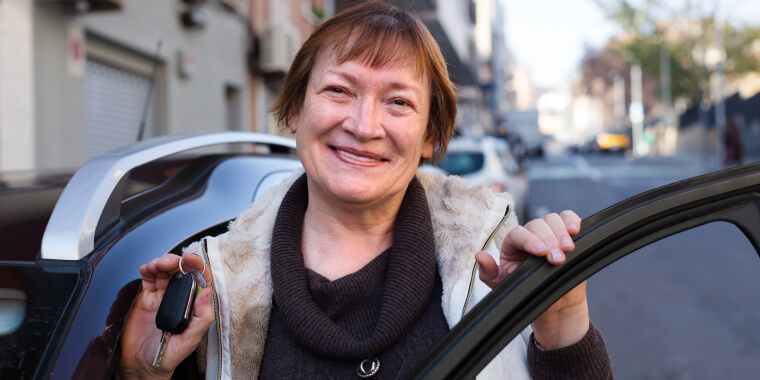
{"points": [[357, 156]]}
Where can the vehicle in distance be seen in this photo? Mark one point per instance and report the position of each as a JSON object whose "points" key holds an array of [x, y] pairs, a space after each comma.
{"points": [[613, 142], [488, 161]]}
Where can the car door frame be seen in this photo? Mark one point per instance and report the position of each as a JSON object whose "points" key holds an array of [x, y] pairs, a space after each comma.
{"points": [[731, 195]]}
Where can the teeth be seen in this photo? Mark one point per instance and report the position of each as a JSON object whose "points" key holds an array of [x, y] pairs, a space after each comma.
{"points": [[355, 157]]}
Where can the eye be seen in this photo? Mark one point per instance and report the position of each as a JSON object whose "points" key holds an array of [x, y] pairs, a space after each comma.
{"points": [[400, 102], [336, 90]]}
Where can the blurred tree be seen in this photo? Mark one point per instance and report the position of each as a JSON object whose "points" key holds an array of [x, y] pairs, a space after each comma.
{"points": [[685, 29], [599, 67]]}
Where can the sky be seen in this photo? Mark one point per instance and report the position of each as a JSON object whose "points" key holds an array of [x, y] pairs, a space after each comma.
{"points": [[549, 36]]}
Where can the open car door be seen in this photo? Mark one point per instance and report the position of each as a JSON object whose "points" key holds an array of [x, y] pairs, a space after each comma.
{"points": [[731, 195]]}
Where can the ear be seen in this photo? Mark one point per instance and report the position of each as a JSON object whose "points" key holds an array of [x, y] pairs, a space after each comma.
{"points": [[428, 146], [292, 122]]}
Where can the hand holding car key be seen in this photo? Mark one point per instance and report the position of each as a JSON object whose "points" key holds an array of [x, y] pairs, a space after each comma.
{"points": [[177, 305], [140, 337]]}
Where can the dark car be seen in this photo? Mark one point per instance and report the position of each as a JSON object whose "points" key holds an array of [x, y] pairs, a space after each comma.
{"points": [[67, 283], [73, 245]]}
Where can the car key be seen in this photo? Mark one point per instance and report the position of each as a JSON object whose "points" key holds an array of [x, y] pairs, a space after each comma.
{"points": [[174, 312]]}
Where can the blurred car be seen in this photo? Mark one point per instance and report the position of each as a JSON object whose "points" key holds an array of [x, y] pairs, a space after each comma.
{"points": [[612, 142], [488, 161], [72, 246]]}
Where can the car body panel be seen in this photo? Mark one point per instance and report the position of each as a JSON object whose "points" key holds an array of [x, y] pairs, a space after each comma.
{"points": [[116, 265], [91, 201]]}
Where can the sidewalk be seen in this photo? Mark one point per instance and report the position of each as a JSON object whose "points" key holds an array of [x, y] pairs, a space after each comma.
{"points": [[697, 162]]}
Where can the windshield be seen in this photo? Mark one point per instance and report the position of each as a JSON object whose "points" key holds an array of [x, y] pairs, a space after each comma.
{"points": [[462, 163]]}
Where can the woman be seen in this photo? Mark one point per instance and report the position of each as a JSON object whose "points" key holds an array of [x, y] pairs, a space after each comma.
{"points": [[362, 262]]}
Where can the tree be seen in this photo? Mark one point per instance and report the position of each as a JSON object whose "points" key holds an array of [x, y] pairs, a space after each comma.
{"points": [[687, 33]]}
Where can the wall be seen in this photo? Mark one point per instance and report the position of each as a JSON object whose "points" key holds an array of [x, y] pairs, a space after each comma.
{"points": [[130, 36], [16, 86]]}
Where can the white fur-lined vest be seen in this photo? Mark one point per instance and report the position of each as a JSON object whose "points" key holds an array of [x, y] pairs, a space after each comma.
{"points": [[465, 219]]}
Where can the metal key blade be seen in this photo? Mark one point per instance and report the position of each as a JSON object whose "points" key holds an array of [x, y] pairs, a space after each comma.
{"points": [[161, 348]]}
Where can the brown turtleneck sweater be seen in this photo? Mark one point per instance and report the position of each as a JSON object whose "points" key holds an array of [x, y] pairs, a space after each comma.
{"points": [[389, 310]]}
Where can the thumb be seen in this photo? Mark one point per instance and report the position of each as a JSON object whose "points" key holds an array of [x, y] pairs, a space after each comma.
{"points": [[490, 272]]}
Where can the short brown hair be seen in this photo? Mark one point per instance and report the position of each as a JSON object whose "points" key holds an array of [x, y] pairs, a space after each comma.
{"points": [[376, 33]]}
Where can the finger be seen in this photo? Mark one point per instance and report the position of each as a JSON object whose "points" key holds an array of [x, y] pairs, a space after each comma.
{"points": [[148, 278], [519, 241], [203, 317], [557, 225], [203, 311], [543, 231], [168, 264], [155, 274], [490, 272], [572, 221]]}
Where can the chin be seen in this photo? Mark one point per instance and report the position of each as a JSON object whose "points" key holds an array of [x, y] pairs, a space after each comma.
{"points": [[355, 191]]}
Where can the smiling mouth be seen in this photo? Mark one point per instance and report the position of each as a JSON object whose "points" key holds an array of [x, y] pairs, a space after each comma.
{"points": [[356, 157]]}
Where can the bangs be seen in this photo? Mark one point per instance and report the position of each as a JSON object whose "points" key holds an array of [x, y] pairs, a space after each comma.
{"points": [[381, 41], [377, 47]]}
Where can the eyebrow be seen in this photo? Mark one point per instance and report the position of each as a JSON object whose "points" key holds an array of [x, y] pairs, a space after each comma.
{"points": [[393, 85]]}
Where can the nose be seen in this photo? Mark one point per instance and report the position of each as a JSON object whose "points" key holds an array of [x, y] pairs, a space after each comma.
{"points": [[366, 120]]}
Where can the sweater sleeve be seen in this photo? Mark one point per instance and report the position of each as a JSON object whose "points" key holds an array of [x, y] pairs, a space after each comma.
{"points": [[587, 360]]}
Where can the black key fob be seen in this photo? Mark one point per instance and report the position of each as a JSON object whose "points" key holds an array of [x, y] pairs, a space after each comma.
{"points": [[177, 304]]}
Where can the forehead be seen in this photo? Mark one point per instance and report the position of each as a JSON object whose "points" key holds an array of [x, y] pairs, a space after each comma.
{"points": [[404, 65]]}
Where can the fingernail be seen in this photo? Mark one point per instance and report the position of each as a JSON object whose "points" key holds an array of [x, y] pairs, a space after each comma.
{"points": [[538, 247], [556, 255], [572, 225], [566, 241]]}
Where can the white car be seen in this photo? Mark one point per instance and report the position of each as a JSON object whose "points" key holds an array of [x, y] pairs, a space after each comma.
{"points": [[490, 162]]}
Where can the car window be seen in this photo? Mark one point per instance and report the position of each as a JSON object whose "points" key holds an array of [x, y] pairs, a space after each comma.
{"points": [[32, 303], [151, 175], [462, 163], [509, 163]]}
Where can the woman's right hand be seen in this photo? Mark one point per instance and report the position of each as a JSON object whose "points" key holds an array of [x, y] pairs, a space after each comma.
{"points": [[140, 337]]}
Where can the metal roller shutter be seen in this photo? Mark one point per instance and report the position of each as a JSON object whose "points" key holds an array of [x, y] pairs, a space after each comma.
{"points": [[113, 105]]}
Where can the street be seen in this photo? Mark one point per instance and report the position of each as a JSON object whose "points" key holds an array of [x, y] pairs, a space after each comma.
{"points": [[682, 308]]}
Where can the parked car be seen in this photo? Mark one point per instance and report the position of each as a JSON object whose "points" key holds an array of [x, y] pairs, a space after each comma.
{"points": [[73, 244], [488, 161], [67, 283]]}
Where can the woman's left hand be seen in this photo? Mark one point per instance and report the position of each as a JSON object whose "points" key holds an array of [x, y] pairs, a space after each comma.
{"points": [[567, 321]]}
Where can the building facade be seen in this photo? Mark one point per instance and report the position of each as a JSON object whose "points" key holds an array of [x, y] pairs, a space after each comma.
{"points": [[80, 76]]}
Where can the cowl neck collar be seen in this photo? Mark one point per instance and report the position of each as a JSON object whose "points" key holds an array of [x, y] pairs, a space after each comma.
{"points": [[408, 286]]}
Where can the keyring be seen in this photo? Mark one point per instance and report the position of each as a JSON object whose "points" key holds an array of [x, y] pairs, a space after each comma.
{"points": [[199, 256]]}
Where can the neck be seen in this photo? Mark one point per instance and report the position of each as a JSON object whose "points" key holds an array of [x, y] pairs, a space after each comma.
{"points": [[340, 239]]}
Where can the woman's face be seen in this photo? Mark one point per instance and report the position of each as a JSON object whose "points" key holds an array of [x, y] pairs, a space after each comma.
{"points": [[361, 130]]}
